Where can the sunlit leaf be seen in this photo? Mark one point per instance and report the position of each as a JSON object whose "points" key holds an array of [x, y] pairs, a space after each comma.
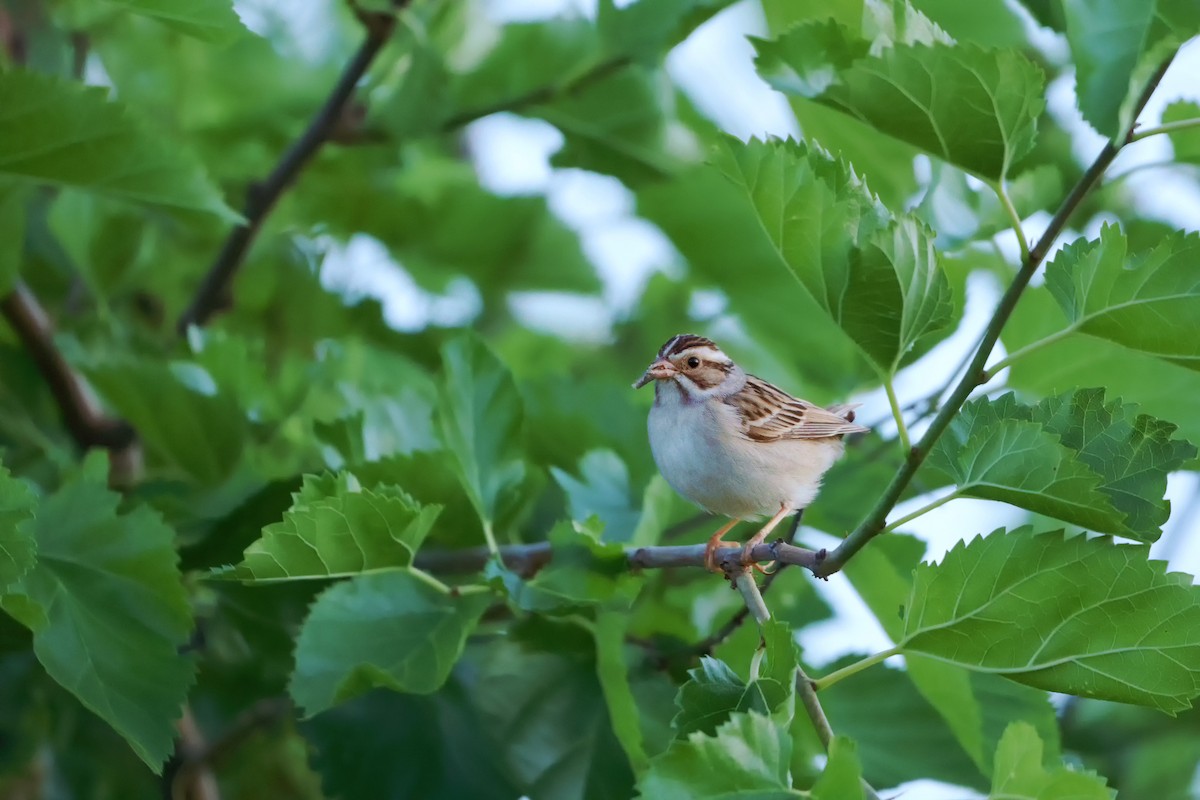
{"points": [[1185, 141], [392, 629], [210, 20], [1078, 615], [65, 134], [1020, 774], [842, 777], [336, 528]]}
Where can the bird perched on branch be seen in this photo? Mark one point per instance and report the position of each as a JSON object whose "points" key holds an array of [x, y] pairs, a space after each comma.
{"points": [[734, 444]]}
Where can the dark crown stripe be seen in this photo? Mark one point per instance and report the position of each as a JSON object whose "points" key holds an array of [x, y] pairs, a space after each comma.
{"points": [[684, 341]]}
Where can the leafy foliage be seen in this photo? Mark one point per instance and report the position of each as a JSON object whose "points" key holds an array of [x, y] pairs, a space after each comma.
{"points": [[386, 523]]}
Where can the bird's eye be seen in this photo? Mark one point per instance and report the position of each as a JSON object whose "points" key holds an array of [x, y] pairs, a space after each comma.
{"points": [[693, 362]]}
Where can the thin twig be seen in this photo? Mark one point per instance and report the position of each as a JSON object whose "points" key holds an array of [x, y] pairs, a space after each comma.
{"points": [[807, 692], [81, 413], [213, 294], [875, 521], [201, 758], [193, 780]]}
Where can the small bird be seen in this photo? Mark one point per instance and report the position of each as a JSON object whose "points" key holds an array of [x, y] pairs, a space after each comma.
{"points": [[734, 444]]}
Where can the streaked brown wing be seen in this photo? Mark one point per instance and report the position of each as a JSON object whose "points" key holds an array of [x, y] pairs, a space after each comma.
{"points": [[769, 414]]}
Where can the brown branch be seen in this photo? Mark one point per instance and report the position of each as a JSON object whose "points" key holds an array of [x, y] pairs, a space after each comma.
{"points": [[85, 420], [197, 782], [198, 758], [876, 520], [806, 690], [213, 295]]}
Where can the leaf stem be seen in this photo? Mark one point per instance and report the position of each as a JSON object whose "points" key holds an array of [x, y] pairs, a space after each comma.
{"points": [[1020, 353], [1166, 127], [876, 519], [489, 536], [853, 669], [1013, 216], [923, 510], [897, 415]]}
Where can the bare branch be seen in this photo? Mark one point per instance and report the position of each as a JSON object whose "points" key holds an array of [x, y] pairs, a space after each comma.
{"points": [[806, 690], [213, 293], [85, 420]]}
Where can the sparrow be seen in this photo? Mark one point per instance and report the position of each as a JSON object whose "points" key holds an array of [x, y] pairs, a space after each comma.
{"points": [[734, 444]]}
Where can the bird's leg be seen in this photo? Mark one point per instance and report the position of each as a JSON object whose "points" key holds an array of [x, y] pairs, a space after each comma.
{"points": [[756, 539], [710, 552]]}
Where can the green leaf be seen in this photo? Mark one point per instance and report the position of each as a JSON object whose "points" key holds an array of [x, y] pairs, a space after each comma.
{"points": [[991, 452], [973, 107], [1020, 775], [1186, 141], [879, 278], [64, 134], [1116, 45], [392, 629], [613, 671], [602, 489], [747, 757], [210, 20], [18, 548], [842, 777], [1146, 301], [482, 419], [175, 413], [1077, 615], [108, 610], [645, 31], [12, 230], [1100, 466], [336, 528]]}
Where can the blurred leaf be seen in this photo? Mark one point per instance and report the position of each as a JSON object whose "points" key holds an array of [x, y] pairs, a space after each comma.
{"points": [[900, 735], [18, 547], [746, 757], [210, 20], [974, 108], [1019, 773], [645, 31], [1186, 141], [992, 23], [842, 777], [1078, 615], [482, 419], [527, 699], [601, 489], [108, 610], [614, 674], [336, 528], [1145, 301], [444, 752], [960, 213], [395, 629], [1116, 45], [12, 230], [65, 134], [877, 276], [183, 422]]}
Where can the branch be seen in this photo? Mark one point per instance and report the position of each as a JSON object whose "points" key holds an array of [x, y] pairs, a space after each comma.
{"points": [[193, 780], [198, 758], [806, 690], [527, 559], [213, 293], [876, 520], [85, 420]]}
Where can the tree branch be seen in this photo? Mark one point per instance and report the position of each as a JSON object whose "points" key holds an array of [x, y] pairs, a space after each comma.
{"points": [[527, 559], [876, 520], [213, 294], [806, 690], [82, 415]]}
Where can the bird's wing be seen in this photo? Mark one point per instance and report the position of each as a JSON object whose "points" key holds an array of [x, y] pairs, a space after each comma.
{"points": [[769, 414]]}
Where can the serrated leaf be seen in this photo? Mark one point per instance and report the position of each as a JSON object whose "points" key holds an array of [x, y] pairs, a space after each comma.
{"points": [[994, 454], [108, 610], [18, 548], [1147, 301], [210, 20], [64, 134], [1186, 141], [482, 419], [1077, 615], [1020, 775], [973, 107], [1115, 45], [335, 528], [391, 629], [842, 777], [746, 757], [877, 276]]}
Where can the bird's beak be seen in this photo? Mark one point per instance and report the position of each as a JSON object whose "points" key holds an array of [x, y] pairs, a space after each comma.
{"points": [[660, 370]]}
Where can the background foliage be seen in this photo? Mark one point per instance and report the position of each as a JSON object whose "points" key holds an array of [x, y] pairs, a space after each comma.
{"points": [[245, 521]]}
